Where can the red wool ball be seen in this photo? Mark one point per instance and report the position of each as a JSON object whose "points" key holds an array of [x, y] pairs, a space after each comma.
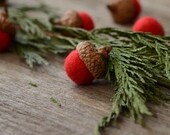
{"points": [[76, 69], [5, 41], [148, 24], [137, 7], [87, 21]]}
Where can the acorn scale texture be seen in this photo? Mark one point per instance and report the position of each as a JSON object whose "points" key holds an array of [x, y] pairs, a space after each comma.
{"points": [[73, 18], [93, 58]]}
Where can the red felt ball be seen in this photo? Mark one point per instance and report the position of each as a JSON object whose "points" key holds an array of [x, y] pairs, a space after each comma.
{"points": [[137, 7], [76, 69], [148, 24], [87, 21], [5, 41]]}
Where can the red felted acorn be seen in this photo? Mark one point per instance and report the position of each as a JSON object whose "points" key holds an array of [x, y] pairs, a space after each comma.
{"points": [[124, 11], [7, 30], [87, 22], [73, 18], [148, 24], [86, 63]]}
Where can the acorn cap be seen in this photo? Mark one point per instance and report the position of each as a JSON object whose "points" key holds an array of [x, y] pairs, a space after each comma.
{"points": [[94, 58], [6, 25], [71, 18], [123, 11]]}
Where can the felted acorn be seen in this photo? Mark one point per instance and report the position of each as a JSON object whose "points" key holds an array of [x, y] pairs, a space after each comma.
{"points": [[7, 31], [86, 63], [148, 24], [124, 11], [73, 18]]}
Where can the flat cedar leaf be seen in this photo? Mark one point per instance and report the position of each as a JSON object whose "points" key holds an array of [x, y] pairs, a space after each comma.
{"points": [[34, 58], [43, 24], [31, 55]]}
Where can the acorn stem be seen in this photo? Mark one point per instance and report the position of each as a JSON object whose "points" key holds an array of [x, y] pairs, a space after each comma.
{"points": [[105, 51]]}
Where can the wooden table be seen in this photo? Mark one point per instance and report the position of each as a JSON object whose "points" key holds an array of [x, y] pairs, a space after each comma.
{"points": [[28, 110]]}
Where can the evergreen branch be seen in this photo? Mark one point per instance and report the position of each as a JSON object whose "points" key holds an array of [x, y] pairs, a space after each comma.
{"points": [[31, 55], [137, 62]]}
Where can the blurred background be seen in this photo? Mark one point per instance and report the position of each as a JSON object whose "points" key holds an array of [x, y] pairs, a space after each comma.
{"points": [[160, 9]]}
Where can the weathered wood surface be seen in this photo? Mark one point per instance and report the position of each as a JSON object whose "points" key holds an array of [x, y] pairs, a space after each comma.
{"points": [[27, 110]]}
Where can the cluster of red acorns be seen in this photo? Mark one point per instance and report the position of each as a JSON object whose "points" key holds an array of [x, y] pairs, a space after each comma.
{"points": [[122, 11]]}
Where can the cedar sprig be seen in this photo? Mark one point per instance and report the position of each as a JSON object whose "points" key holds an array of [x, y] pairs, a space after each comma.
{"points": [[136, 64], [35, 38]]}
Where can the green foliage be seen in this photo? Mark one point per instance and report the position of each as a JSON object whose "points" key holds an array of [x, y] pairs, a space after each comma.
{"points": [[35, 38], [136, 64], [137, 60]]}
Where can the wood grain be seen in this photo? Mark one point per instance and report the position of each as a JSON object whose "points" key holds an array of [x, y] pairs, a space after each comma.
{"points": [[28, 110]]}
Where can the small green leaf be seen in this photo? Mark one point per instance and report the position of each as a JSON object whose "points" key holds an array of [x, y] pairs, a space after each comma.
{"points": [[56, 101], [33, 84]]}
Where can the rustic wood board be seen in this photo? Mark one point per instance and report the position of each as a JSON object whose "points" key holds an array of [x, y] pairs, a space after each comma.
{"points": [[28, 110]]}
